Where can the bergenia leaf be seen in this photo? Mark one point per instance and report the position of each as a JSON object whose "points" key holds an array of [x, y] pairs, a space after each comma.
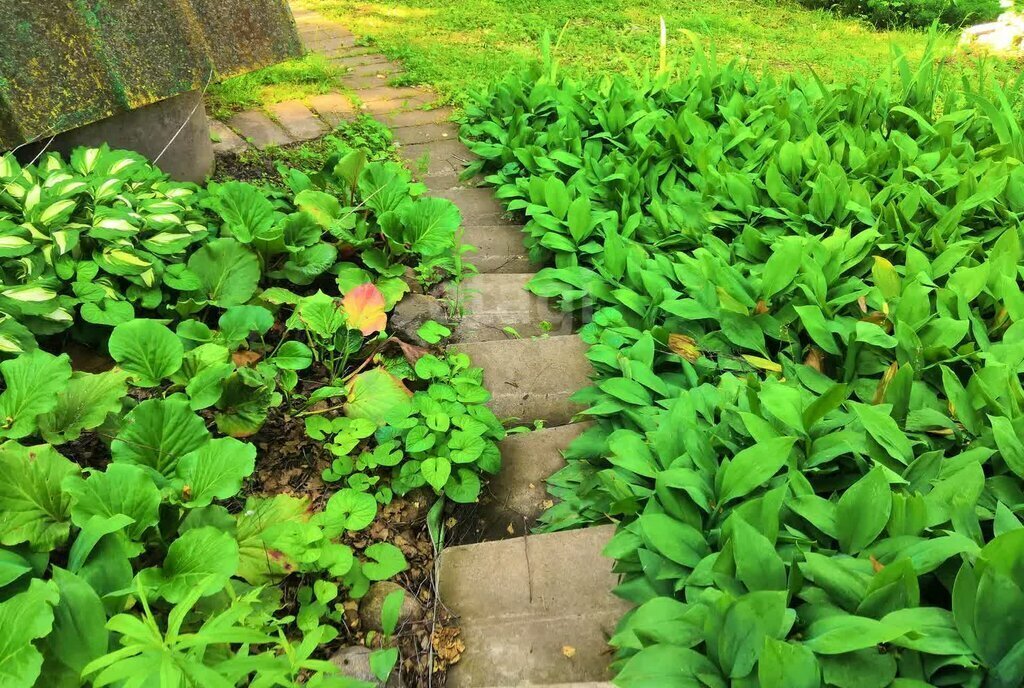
{"points": [[214, 471], [148, 350], [378, 396], [33, 506], [364, 309], [157, 433], [34, 382], [120, 489], [202, 558]]}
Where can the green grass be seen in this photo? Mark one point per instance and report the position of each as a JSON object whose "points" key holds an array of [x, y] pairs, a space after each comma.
{"points": [[292, 80], [463, 44]]}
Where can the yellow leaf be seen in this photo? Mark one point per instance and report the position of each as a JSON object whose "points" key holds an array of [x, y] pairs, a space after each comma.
{"points": [[685, 346], [763, 363]]}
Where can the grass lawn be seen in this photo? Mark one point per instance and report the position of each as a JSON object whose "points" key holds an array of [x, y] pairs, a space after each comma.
{"points": [[457, 45], [309, 75]]}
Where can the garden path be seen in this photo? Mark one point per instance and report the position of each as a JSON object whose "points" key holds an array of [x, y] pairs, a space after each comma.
{"points": [[534, 609]]}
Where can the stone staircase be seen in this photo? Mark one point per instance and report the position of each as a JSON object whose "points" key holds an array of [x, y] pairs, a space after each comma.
{"points": [[535, 610]]}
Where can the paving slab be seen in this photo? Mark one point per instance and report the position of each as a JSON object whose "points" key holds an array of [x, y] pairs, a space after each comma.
{"points": [[375, 69], [330, 42], [499, 248], [225, 140], [517, 495], [437, 158], [363, 83], [477, 205], [425, 133], [333, 108], [412, 118], [498, 306], [348, 62], [296, 119], [354, 51], [532, 379], [258, 129], [388, 99], [519, 612]]}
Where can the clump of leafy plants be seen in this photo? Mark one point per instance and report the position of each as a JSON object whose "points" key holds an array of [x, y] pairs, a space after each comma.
{"points": [[93, 242], [805, 328], [920, 14], [136, 546]]}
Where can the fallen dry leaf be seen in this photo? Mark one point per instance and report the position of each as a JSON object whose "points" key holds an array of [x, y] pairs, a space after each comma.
{"points": [[569, 651], [685, 346], [245, 359]]}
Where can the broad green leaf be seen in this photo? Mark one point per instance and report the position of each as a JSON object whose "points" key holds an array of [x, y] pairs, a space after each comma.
{"points": [[463, 486], [34, 383], [261, 528], [201, 559], [213, 471], [881, 426], [429, 225], [787, 665], [384, 561], [246, 212], [436, 470], [88, 400], [678, 541], [754, 466], [378, 396], [157, 433], [121, 488], [347, 509], [147, 350], [79, 623], [24, 618], [238, 322], [863, 510], [293, 355], [228, 272], [33, 506]]}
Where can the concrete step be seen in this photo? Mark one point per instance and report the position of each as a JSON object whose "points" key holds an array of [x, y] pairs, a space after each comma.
{"points": [[499, 248], [532, 379], [425, 133], [477, 205], [296, 119], [411, 118], [517, 495], [498, 306], [534, 610], [436, 158]]}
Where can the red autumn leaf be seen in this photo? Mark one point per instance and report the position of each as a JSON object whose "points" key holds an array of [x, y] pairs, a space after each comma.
{"points": [[364, 309]]}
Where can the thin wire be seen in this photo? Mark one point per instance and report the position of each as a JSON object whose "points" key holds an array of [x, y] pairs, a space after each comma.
{"points": [[31, 162], [199, 102]]}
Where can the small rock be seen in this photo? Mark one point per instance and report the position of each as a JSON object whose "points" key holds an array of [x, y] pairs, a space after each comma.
{"points": [[371, 604], [410, 314], [354, 662]]}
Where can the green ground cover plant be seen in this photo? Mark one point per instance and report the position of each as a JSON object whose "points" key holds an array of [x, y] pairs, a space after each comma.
{"points": [[806, 334], [139, 544], [914, 13]]}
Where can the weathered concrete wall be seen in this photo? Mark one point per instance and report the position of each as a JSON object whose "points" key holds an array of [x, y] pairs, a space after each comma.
{"points": [[67, 63], [147, 130]]}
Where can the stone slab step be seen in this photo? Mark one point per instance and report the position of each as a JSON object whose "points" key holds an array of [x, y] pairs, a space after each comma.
{"points": [[425, 133], [517, 495], [411, 118], [377, 69], [437, 158], [532, 379], [383, 99], [333, 108], [225, 140], [534, 610], [498, 306], [296, 119], [365, 82], [258, 129], [477, 205], [499, 248]]}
